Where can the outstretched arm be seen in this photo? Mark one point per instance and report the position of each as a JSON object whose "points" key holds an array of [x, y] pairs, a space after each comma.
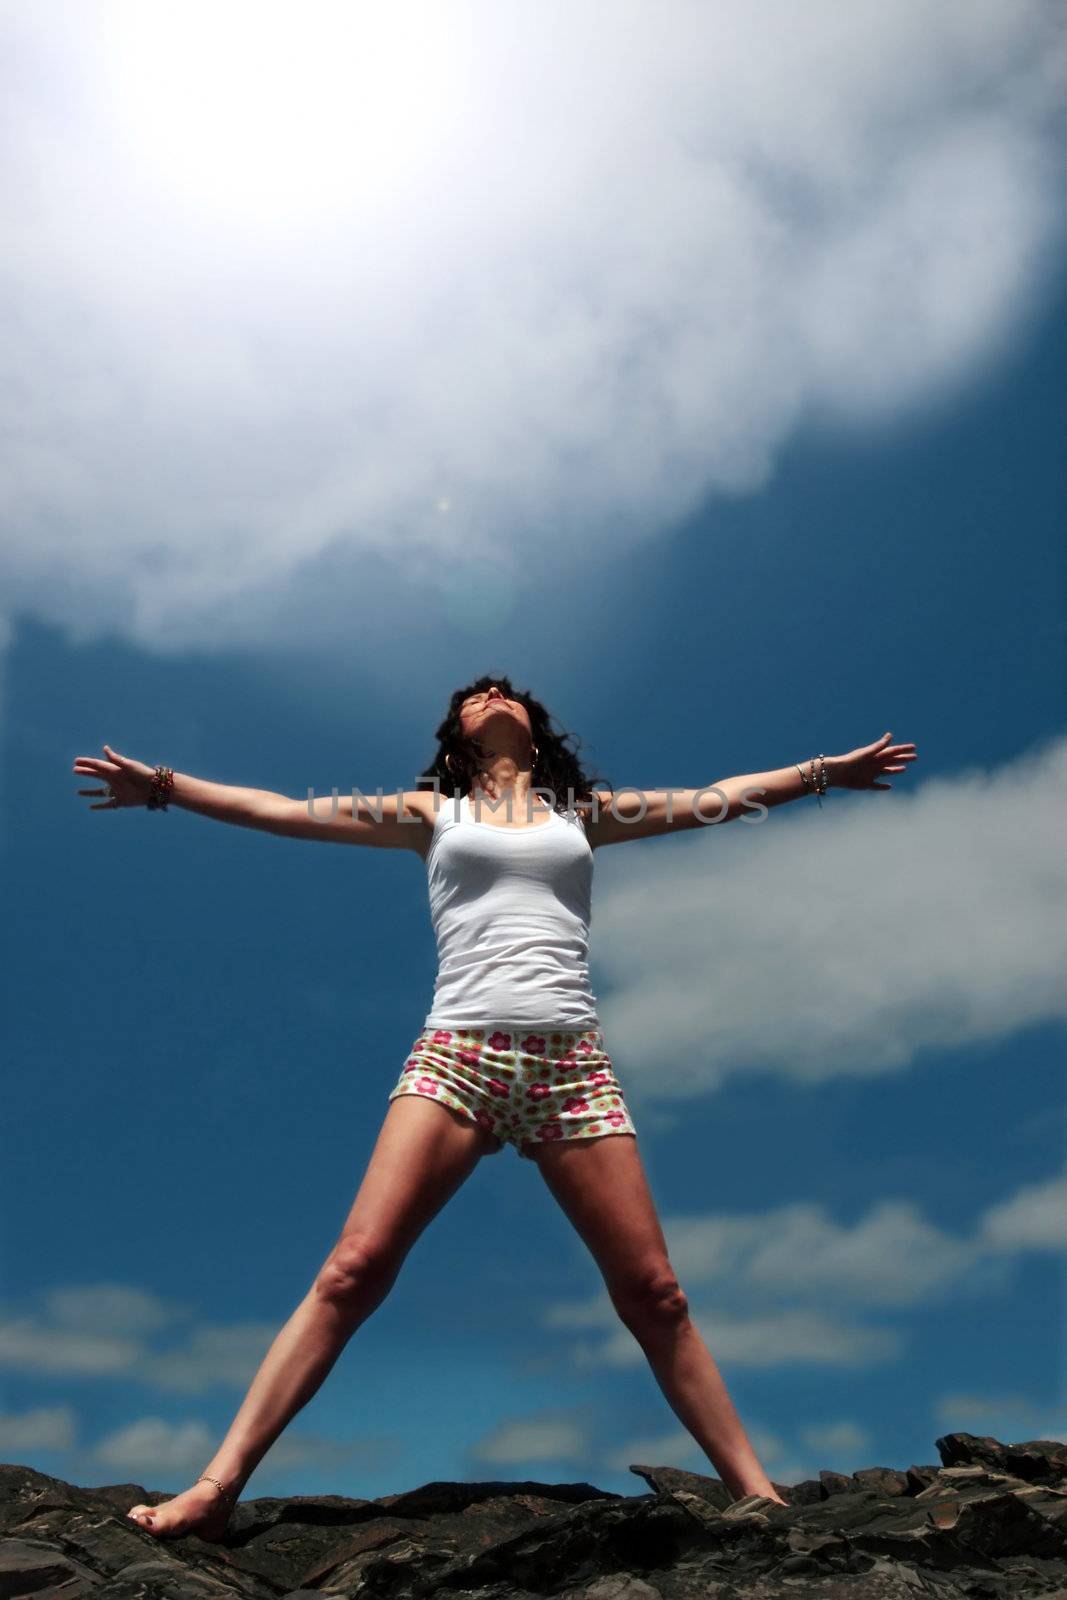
{"points": [[645, 813], [388, 821]]}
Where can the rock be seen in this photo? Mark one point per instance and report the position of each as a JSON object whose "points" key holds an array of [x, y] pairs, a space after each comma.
{"points": [[665, 1480], [920, 1478], [1037, 1460], [29, 1568], [884, 1479], [989, 1523]]}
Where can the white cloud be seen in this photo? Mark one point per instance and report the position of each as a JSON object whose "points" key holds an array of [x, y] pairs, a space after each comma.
{"points": [[796, 1335], [890, 1257], [1033, 1219], [637, 247], [157, 1447], [1012, 1418], [544, 1438], [210, 1355], [155, 1450], [100, 1330], [842, 1438], [45, 1428], [791, 1283], [28, 1344], [782, 1337], [110, 1308], [676, 1448], [680, 1450], [820, 946]]}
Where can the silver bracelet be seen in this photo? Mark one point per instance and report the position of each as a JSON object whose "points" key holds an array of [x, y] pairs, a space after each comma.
{"points": [[818, 783]]}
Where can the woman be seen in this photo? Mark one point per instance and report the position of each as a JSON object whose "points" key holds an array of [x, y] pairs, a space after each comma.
{"points": [[512, 1050]]}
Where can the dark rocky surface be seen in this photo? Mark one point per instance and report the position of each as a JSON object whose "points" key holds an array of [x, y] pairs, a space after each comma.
{"points": [[989, 1521]]}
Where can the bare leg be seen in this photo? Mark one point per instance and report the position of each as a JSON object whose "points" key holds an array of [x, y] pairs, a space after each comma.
{"points": [[626, 1241], [424, 1153], [302, 1353], [686, 1371]]}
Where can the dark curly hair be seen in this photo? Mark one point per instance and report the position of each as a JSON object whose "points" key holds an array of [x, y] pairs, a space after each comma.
{"points": [[556, 765]]}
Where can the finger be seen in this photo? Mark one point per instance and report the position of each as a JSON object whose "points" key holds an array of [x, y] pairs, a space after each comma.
{"points": [[104, 805], [95, 768], [876, 747], [114, 756], [89, 792]]}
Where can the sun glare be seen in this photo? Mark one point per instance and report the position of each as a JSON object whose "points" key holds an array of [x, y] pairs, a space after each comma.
{"points": [[271, 111]]}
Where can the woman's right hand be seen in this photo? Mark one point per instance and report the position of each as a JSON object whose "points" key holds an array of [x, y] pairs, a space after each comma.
{"points": [[129, 782]]}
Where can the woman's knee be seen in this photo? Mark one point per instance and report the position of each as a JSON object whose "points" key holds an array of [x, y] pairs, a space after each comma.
{"points": [[356, 1270], [650, 1298]]}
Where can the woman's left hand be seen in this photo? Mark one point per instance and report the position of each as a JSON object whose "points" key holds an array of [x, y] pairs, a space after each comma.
{"points": [[861, 768]]}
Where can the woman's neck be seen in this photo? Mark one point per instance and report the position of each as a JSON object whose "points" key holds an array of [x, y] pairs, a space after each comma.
{"points": [[500, 779]]}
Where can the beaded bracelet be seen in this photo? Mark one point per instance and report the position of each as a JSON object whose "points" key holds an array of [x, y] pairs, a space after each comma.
{"points": [[817, 784], [162, 786]]}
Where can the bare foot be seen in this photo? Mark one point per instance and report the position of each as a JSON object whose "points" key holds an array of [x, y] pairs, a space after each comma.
{"points": [[774, 1497], [200, 1510]]}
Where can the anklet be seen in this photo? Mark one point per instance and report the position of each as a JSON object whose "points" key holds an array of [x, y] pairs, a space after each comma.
{"points": [[206, 1478]]}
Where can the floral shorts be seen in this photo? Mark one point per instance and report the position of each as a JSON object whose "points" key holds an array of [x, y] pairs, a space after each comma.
{"points": [[528, 1086]]}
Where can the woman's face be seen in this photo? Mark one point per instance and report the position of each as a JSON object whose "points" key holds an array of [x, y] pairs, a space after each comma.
{"points": [[490, 711]]}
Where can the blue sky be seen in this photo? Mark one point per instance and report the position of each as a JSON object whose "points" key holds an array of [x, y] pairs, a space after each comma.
{"points": [[840, 1032]]}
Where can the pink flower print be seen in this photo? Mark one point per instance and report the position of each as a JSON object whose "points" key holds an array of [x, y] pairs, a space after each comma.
{"points": [[412, 1065], [485, 1119], [427, 1086], [537, 1091], [557, 1038], [500, 1041], [469, 1058], [584, 1046], [575, 1103], [533, 1044], [550, 1130], [599, 1077], [498, 1088], [442, 1036], [616, 1119], [419, 1045]]}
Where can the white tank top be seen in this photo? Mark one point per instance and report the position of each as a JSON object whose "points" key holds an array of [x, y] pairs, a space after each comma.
{"points": [[511, 909]]}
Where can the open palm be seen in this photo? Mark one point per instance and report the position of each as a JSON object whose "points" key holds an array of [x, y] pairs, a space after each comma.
{"points": [[862, 767]]}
